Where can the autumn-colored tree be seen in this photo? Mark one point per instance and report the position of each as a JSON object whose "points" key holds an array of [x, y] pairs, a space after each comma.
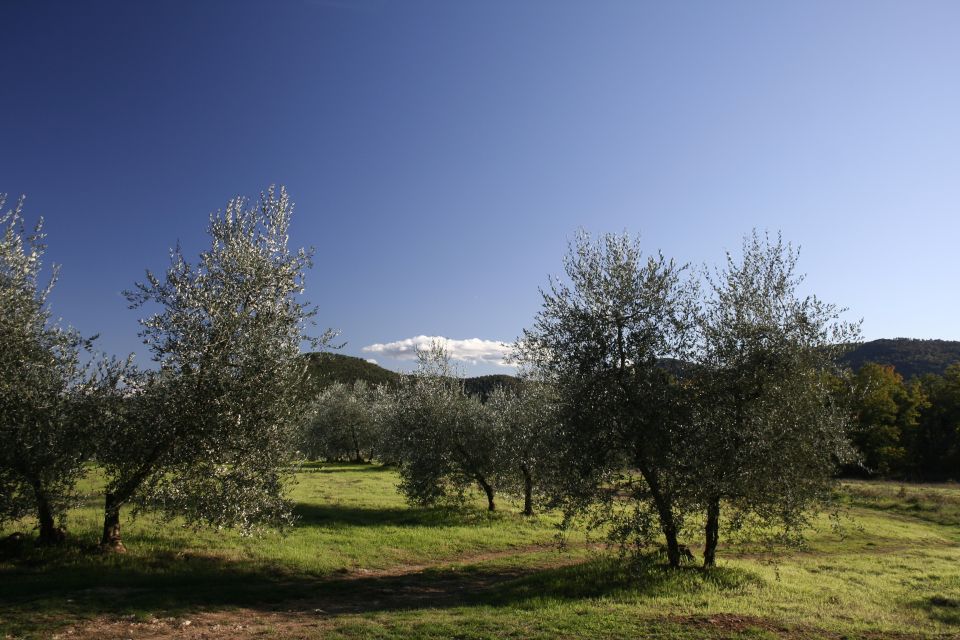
{"points": [[886, 419]]}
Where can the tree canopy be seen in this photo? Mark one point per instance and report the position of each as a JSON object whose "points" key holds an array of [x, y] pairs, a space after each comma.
{"points": [[599, 338], [50, 384], [211, 434]]}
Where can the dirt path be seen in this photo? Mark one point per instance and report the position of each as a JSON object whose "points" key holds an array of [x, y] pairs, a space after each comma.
{"points": [[410, 586], [467, 580]]}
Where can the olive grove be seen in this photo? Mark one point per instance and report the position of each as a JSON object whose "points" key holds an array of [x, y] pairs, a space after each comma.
{"points": [[441, 437], [525, 421], [345, 423], [657, 404]]}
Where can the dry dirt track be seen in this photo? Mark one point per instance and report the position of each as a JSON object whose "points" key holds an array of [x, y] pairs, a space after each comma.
{"points": [[363, 591]]}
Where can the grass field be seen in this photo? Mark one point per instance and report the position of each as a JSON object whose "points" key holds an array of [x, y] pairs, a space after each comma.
{"points": [[361, 563]]}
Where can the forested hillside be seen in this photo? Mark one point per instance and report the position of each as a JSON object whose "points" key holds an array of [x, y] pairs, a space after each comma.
{"points": [[325, 368], [911, 358], [483, 386]]}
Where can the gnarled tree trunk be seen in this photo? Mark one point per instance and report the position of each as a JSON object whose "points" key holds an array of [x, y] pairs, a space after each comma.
{"points": [[487, 489], [50, 533], [668, 525], [111, 540]]}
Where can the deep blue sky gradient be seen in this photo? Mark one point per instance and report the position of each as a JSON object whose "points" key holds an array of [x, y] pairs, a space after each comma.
{"points": [[441, 153]]}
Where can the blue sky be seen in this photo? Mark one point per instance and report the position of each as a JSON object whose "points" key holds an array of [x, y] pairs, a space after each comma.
{"points": [[441, 153]]}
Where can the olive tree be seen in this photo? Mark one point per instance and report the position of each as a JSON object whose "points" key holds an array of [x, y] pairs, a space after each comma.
{"points": [[48, 393], [344, 424], [526, 421], [211, 433], [602, 337], [768, 432], [441, 437]]}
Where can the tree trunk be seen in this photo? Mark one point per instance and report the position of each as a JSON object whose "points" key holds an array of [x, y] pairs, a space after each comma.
{"points": [[712, 533], [50, 533], [665, 513], [527, 491], [356, 447], [111, 540], [489, 491], [670, 534]]}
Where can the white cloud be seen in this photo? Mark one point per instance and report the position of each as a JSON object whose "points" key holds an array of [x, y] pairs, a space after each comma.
{"points": [[372, 361], [472, 350]]}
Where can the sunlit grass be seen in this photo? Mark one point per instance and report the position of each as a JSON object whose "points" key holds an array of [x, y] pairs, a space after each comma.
{"points": [[377, 567]]}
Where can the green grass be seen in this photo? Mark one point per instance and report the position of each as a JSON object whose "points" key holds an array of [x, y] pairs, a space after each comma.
{"points": [[361, 563]]}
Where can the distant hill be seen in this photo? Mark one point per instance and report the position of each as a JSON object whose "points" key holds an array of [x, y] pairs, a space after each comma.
{"points": [[325, 368], [483, 386], [909, 357]]}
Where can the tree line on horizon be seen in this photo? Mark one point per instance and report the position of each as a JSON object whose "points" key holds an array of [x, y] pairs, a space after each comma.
{"points": [[905, 430], [745, 430]]}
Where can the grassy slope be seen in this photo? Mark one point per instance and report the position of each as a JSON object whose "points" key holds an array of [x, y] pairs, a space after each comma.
{"points": [[361, 563]]}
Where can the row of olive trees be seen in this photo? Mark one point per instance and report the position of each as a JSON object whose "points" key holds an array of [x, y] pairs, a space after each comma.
{"points": [[441, 438], [445, 440], [346, 423], [684, 393], [208, 434]]}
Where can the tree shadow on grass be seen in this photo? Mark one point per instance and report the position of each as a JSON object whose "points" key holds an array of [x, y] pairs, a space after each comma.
{"points": [[608, 577], [338, 515], [43, 589], [501, 586], [79, 585], [343, 467], [942, 609]]}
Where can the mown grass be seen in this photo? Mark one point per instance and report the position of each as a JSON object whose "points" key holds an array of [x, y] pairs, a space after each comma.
{"points": [[361, 563]]}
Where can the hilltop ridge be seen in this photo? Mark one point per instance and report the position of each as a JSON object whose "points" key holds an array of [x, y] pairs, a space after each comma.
{"points": [[910, 357]]}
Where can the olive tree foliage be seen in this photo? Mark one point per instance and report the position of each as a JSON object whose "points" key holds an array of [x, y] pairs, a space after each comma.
{"points": [[48, 393], [601, 338], [440, 436], [768, 432], [345, 423], [525, 421], [210, 436]]}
